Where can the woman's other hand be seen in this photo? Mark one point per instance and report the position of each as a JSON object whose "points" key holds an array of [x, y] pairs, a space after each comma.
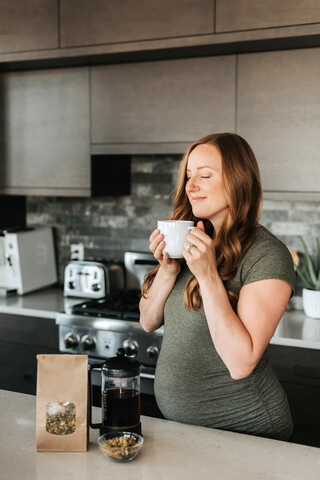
{"points": [[157, 244], [201, 257]]}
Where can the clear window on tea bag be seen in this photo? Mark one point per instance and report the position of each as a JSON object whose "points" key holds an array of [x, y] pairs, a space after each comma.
{"points": [[61, 417]]}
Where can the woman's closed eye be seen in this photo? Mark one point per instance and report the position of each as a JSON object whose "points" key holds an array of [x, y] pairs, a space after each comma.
{"points": [[202, 176]]}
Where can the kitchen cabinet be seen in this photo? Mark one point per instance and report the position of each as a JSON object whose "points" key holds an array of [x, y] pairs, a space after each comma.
{"points": [[298, 370], [86, 23], [31, 25], [44, 132], [162, 106], [22, 338], [232, 15], [278, 112]]}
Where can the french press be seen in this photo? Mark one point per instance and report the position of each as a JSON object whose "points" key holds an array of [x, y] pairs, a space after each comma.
{"points": [[120, 394]]}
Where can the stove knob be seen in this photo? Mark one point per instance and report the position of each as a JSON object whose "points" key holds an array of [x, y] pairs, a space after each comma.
{"points": [[152, 351], [131, 348], [71, 340], [71, 285], [87, 342]]}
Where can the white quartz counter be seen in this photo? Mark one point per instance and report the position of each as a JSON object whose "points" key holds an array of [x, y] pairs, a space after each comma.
{"points": [[295, 329], [171, 450], [44, 303]]}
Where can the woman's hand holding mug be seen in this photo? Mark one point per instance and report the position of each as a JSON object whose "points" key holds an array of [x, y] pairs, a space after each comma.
{"points": [[157, 244]]}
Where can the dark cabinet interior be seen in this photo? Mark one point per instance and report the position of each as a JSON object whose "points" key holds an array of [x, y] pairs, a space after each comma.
{"points": [[298, 370], [22, 339], [13, 211]]}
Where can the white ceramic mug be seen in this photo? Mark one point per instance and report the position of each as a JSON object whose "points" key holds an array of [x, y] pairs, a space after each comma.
{"points": [[175, 233]]}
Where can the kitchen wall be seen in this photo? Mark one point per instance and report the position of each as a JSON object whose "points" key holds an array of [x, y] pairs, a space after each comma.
{"points": [[109, 226]]}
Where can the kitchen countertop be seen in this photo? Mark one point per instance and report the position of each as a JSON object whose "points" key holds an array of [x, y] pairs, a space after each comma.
{"points": [[295, 328], [171, 450], [44, 303]]}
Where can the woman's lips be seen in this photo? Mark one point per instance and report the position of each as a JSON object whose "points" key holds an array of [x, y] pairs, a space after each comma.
{"points": [[196, 199]]}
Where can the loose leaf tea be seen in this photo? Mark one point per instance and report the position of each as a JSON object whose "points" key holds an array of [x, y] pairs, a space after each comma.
{"points": [[121, 448], [61, 418]]}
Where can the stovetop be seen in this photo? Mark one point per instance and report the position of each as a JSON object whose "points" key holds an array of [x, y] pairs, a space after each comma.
{"points": [[121, 305]]}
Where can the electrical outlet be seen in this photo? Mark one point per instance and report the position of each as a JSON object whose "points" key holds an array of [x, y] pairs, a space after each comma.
{"points": [[77, 251]]}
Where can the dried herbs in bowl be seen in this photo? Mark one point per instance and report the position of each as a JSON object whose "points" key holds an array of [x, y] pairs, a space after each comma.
{"points": [[120, 446]]}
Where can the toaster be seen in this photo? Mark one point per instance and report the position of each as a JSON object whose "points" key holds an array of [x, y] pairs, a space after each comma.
{"points": [[91, 279]]}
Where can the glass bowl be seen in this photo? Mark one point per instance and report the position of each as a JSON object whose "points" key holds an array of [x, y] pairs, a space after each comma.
{"points": [[120, 446]]}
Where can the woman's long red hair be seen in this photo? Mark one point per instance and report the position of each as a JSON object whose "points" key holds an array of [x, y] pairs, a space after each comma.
{"points": [[242, 184]]}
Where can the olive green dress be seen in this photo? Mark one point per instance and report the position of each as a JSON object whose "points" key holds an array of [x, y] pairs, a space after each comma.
{"points": [[193, 385]]}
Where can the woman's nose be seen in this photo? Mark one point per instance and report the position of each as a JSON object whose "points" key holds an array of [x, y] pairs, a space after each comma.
{"points": [[192, 185]]}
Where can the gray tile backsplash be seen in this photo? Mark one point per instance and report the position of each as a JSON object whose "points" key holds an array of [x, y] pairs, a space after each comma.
{"points": [[108, 226]]}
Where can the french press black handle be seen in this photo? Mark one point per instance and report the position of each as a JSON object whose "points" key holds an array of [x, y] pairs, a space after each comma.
{"points": [[91, 367]]}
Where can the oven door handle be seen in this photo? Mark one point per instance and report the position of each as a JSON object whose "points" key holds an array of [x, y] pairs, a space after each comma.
{"points": [[91, 367], [147, 375]]}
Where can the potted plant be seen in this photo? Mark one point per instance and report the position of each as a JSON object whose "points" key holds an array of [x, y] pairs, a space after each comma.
{"points": [[309, 272]]}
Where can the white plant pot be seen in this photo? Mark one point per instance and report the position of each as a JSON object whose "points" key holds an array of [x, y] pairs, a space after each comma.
{"points": [[311, 302]]}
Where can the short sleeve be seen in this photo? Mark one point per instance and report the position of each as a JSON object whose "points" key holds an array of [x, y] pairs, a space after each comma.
{"points": [[266, 260]]}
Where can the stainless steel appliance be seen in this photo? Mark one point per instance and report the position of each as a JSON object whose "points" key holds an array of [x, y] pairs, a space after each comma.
{"points": [[27, 259], [92, 279], [99, 327]]}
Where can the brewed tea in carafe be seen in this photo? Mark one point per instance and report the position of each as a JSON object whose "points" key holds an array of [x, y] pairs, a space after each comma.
{"points": [[120, 394]]}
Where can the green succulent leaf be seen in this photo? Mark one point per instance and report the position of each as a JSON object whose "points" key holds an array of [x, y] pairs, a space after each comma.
{"points": [[309, 270], [305, 280], [308, 266], [318, 257]]}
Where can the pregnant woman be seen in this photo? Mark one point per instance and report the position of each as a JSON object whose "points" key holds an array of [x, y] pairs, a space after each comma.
{"points": [[222, 302]]}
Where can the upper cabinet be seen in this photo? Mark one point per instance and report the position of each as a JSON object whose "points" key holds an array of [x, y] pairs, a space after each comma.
{"points": [[279, 114], [235, 15], [28, 25], [108, 21], [162, 106], [44, 132]]}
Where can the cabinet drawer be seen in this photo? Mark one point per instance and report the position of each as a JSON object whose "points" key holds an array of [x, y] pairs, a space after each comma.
{"points": [[278, 114], [45, 142], [31, 25], [29, 331], [110, 21], [18, 371], [165, 102], [233, 15], [296, 365]]}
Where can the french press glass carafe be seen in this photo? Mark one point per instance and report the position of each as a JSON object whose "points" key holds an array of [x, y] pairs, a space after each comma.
{"points": [[120, 394]]}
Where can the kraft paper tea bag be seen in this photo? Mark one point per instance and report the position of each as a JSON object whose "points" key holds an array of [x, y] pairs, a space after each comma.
{"points": [[62, 403]]}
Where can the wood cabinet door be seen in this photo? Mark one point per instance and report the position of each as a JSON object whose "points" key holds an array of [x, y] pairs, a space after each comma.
{"points": [[44, 144], [109, 21], [279, 115], [28, 25], [164, 102], [232, 15]]}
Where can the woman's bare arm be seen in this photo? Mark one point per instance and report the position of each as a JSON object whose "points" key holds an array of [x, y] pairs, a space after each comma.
{"points": [[152, 307]]}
